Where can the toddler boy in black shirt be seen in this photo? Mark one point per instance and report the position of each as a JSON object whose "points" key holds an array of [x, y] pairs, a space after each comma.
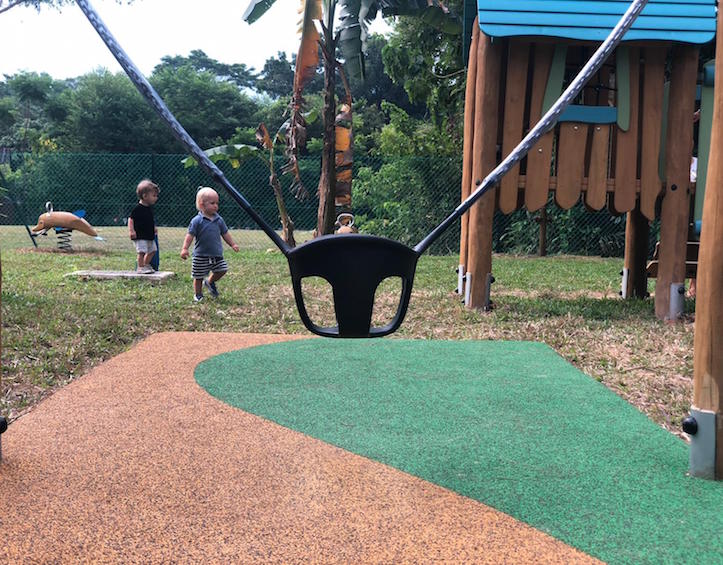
{"points": [[142, 226]]}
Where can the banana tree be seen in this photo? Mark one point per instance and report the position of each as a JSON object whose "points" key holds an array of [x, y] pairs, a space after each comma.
{"points": [[335, 180]]}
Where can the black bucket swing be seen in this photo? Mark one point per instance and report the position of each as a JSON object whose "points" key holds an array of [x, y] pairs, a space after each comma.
{"points": [[355, 264]]}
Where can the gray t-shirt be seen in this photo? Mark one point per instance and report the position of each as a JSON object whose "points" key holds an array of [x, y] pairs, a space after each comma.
{"points": [[207, 232]]}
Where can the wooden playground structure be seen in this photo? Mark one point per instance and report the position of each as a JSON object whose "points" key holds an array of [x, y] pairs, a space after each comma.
{"points": [[626, 144]]}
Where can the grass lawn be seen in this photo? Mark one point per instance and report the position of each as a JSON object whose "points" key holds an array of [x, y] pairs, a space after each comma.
{"points": [[56, 328]]}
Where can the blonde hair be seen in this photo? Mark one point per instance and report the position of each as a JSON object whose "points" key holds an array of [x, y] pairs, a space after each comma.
{"points": [[146, 186], [203, 193]]}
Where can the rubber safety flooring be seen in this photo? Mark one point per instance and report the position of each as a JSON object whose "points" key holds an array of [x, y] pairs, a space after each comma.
{"points": [[280, 450]]}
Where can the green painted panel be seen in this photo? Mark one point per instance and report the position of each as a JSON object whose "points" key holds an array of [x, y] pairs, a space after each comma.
{"points": [[705, 127], [622, 78], [556, 78]]}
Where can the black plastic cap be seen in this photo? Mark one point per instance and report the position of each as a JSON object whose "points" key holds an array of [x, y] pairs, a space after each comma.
{"points": [[690, 426]]}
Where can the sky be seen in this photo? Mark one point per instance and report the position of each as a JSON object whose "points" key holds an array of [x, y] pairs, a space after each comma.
{"points": [[65, 45]]}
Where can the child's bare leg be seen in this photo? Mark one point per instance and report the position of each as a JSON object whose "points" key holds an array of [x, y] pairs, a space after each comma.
{"points": [[198, 286], [214, 276], [148, 257], [141, 256]]}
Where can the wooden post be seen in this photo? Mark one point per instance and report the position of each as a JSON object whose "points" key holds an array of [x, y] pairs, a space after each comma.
{"points": [[708, 347], [469, 98], [650, 183], [487, 91], [678, 153], [637, 232], [542, 219]]}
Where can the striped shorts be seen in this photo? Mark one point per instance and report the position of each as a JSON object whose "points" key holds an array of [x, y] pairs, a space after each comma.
{"points": [[201, 266]]}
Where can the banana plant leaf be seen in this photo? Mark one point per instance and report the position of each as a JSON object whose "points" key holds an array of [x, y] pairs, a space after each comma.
{"points": [[356, 15], [307, 60], [256, 9], [263, 137], [234, 154]]}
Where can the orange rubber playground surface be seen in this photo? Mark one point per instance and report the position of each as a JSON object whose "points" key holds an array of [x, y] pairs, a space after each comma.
{"points": [[135, 462]]}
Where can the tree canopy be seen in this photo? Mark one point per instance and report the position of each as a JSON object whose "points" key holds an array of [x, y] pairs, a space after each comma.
{"points": [[412, 75]]}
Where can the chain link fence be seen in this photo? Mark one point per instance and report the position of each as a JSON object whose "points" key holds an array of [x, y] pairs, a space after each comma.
{"points": [[399, 198]]}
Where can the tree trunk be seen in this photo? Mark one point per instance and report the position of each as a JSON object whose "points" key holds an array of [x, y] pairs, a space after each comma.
{"points": [[327, 182], [287, 226]]}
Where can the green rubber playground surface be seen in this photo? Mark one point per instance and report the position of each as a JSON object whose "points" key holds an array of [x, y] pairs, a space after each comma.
{"points": [[510, 424]]}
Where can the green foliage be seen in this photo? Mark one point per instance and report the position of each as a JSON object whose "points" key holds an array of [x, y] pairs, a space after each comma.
{"points": [[428, 62], [107, 114], [377, 86], [103, 112], [29, 110], [256, 9], [404, 135], [355, 15], [7, 115], [209, 109], [405, 198], [575, 231], [31, 88], [235, 155], [238, 74], [277, 77]]}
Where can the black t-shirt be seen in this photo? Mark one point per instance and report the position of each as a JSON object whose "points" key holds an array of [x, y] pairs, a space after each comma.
{"points": [[143, 223]]}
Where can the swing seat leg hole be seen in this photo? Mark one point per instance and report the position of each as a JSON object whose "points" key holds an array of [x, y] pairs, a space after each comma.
{"points": [[319, 301], [386, 301]]}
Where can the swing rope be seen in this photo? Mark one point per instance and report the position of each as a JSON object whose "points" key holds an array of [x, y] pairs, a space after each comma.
{"points": [[355, 264]]}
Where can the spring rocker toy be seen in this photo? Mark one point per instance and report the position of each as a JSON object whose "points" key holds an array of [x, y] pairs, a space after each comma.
{"points": [[64, 224], [355, 264]]}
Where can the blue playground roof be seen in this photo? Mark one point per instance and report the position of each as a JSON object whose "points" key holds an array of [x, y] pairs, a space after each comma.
{"points": [[686, 21]]}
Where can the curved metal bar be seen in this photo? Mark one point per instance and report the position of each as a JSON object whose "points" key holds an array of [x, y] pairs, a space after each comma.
{"points": [[149, 93], [546, 123]]}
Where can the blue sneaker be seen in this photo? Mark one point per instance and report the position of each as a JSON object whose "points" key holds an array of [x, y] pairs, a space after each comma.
{"points": [[211, 286], [197, 297]]}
